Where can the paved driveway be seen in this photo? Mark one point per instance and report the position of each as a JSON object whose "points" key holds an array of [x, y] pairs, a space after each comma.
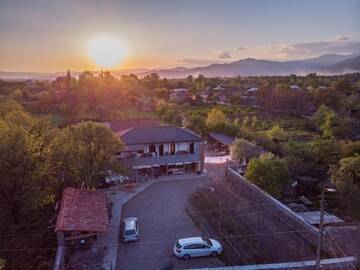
{"points": [[162, 219]]}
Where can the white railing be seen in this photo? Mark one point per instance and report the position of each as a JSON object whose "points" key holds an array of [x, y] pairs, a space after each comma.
{"points": [[160, 160]]}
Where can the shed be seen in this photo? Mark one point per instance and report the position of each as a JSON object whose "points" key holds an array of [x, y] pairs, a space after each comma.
{"points": [[82, 213], [221, 141], [313, 217]]}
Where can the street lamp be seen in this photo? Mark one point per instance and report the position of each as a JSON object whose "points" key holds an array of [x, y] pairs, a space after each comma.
{"points": [[327, 188]]}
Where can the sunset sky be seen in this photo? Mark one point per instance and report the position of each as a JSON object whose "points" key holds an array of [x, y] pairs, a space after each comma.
{"points": [[54, 35]]}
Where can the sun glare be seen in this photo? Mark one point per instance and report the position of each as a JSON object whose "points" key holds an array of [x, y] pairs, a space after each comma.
{"points": [[106, 52]]}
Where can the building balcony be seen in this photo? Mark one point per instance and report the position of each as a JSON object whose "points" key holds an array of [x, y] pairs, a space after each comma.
{"points": [[161, 160]]}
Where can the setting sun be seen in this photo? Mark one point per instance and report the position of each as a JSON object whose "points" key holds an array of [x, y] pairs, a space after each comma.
{"points": [[106, 52]]}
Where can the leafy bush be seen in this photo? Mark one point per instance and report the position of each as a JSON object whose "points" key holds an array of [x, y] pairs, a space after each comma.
{"points": [[268, 172], [276, 133], [346, 174]]}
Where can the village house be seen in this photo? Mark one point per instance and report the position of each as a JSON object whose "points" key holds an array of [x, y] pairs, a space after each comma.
{"points": [[201, 97], [179, 95], [251, 91], [295, 87], [152, 150], [161, 150]]}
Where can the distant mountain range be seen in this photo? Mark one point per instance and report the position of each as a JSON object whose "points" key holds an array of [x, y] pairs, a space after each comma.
{"points": [[326, 64]]}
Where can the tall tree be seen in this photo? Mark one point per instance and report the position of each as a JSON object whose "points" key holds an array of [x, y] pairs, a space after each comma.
{"points": [[26, 174], [243, 149], [268, 172], [216, 120], [346, 174], [84, 152]]}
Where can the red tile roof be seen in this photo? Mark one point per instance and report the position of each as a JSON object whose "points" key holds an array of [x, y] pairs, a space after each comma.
{"points": [[82, 210]]}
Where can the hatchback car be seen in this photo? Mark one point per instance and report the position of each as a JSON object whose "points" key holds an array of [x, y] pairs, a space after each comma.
{"points": [[197, 247], [131, 229]]}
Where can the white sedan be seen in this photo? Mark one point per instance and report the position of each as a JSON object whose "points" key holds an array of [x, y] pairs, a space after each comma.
{"points": [[197, 247]]}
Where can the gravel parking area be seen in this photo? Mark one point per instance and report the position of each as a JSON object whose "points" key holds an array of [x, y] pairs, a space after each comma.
{"points": [[161, 210]]}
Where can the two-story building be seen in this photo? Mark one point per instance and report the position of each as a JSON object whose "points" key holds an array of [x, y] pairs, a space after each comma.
{"points": [[161, 150]]}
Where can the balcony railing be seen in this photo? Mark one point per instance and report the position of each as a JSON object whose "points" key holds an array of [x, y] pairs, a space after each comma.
{"points": [[160, 160]]}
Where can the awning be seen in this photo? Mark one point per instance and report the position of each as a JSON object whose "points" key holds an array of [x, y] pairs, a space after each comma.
{"points": [[222, 138]]}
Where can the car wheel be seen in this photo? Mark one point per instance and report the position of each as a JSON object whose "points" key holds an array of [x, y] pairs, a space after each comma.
{"points": [[214, 254], [186, 257]]}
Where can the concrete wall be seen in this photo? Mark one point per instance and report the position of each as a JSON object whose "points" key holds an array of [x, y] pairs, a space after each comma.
{"points": [[284, 214]]}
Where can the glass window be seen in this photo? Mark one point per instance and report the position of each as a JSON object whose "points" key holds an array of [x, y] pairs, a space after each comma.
{"points": [[207, 241], [130, 232], [178, 244]]}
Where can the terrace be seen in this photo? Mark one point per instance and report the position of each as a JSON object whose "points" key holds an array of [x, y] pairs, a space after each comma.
{"points": [[160, 160]]}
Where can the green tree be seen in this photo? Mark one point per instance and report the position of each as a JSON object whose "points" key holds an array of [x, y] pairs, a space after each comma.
{"points": [[162, 93], [84, 152], [298, 157], [323, 154], [350, 149], [216, 120], [26, 175], [346, 174], [320, 115], [16, 94], [276, 133], [243, 149], [254, 122], [268, 172], [342, 85], [331, 127], [199, 84], [196, 121], [246, 122], [329, 123]]}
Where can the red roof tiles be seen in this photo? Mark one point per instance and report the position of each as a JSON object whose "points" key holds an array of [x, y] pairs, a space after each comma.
{"points": [[82, 210]]}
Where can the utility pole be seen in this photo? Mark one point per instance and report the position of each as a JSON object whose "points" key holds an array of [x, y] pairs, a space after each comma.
{"points": [[320, 234], [219, 216]]}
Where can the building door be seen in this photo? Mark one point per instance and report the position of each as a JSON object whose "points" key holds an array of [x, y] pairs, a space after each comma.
{"points": [[172, 148], [152, 148], [191, 148], [161, 149]]}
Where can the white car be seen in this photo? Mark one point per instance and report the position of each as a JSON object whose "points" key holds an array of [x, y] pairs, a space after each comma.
{"points": [[131, 229], [197, 247], [176, 171]]}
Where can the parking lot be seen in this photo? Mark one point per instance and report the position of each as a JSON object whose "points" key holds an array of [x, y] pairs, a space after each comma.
{"points": [[161, 210]]}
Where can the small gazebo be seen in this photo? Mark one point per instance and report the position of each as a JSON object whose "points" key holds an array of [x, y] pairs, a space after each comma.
{"points": [[82, 214]]}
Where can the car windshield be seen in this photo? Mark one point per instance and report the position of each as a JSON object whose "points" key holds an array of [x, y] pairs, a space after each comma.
{"points": [[207, 241], [130, 232], [178, 244]]}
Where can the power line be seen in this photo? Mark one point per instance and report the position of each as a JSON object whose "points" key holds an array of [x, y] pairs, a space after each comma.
{"points": [[163, 225], [159, 242], [199, 214]]}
